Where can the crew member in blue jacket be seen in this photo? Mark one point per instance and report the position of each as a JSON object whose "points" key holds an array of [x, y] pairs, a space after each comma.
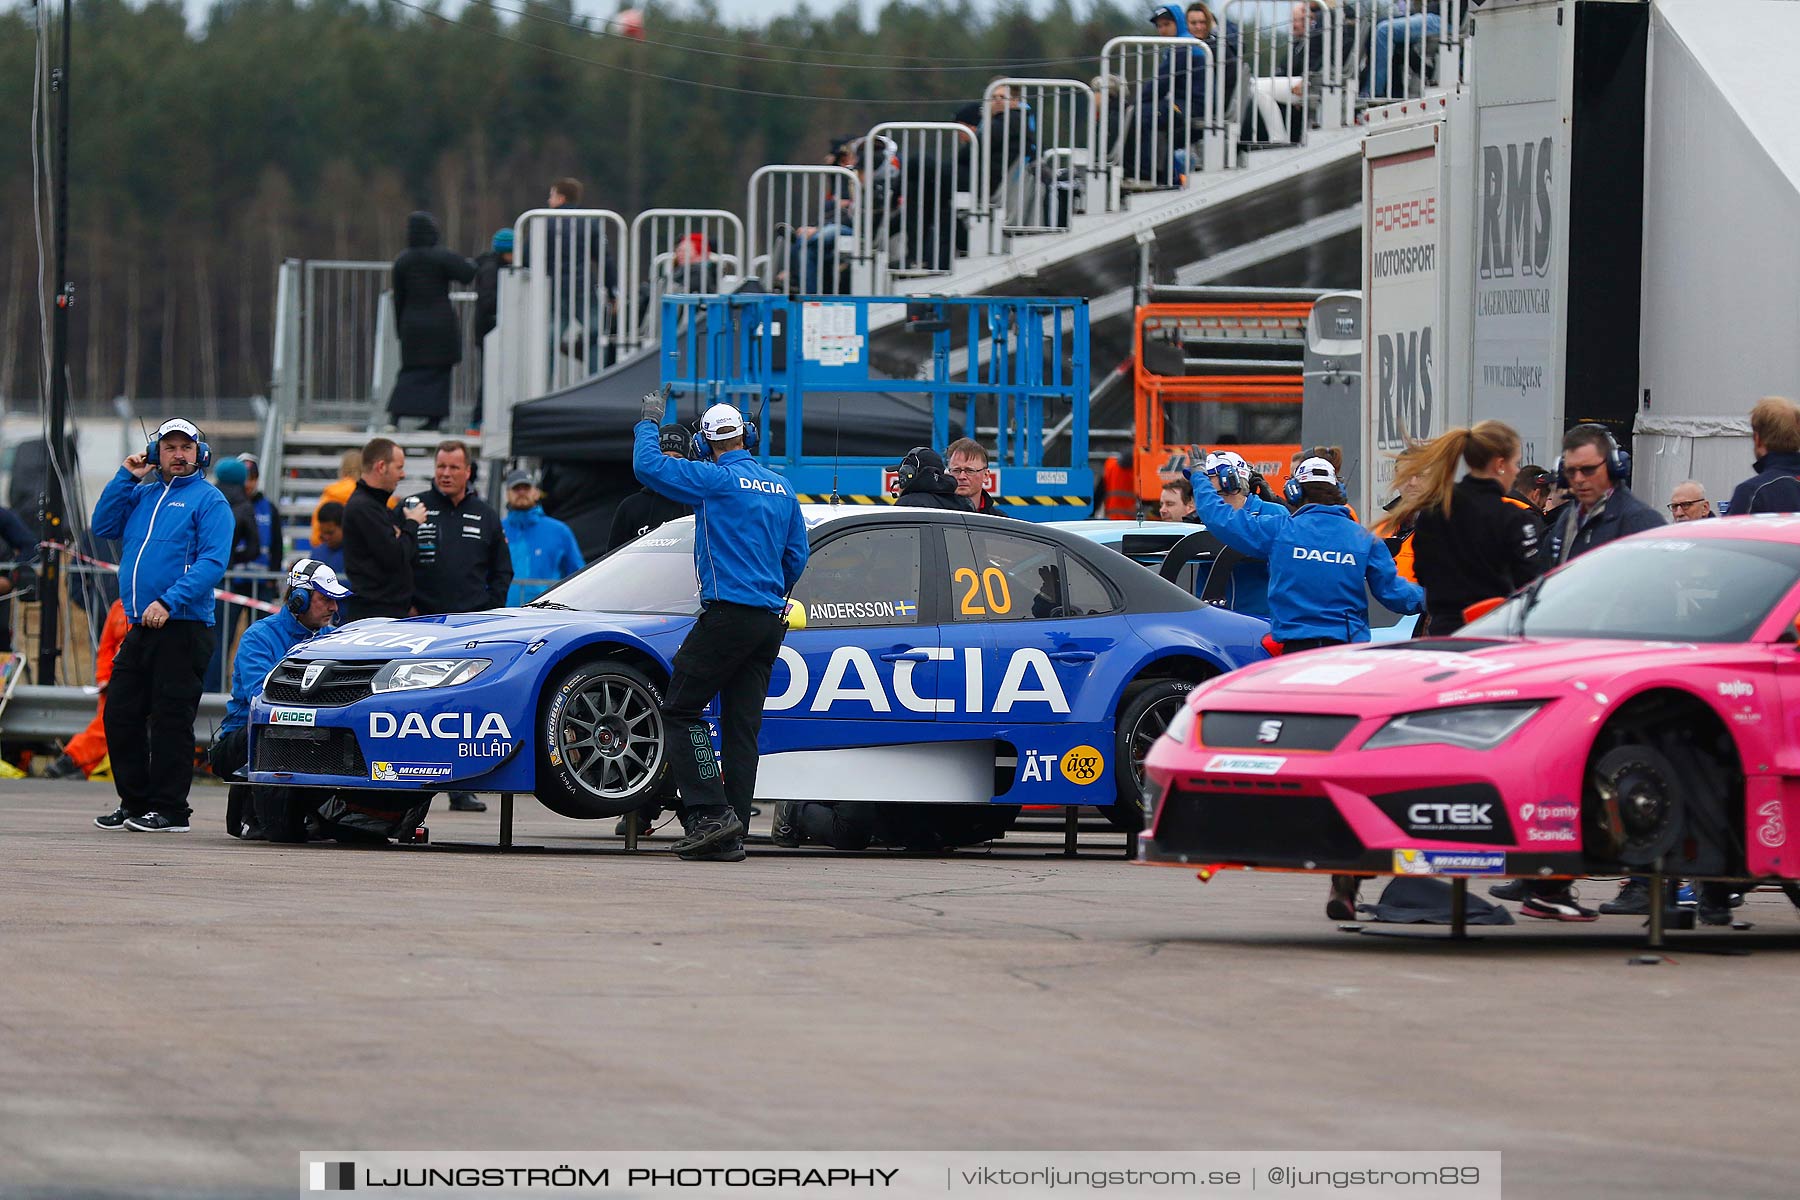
{"points": [[542, 546], [749, 549], [1242, 488], [175, 530], [313, 592], [1322, 564]]}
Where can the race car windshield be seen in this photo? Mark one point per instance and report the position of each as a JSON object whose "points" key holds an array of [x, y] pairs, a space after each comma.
{"points": [[654, 574], [1655, 589]]}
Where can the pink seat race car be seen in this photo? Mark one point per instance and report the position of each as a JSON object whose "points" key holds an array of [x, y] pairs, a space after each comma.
{"points": [[1639, 705]]}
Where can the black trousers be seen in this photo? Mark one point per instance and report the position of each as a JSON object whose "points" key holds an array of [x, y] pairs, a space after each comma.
{"points": [[150, 708], [728, 653], [228, 756]]}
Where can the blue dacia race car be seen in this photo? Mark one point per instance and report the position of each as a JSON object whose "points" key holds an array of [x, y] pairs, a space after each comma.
{"points": [[945, 657]]}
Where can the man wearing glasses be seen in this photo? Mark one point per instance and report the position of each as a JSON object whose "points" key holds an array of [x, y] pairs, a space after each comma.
{"points": [[1688, 502], [1602, 508], [969, 467]]}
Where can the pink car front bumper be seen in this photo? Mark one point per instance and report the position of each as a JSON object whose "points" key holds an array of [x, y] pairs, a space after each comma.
{"points": [[1331, 806]]}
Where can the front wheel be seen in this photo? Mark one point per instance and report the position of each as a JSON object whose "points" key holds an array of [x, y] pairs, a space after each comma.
{"points": [[1146, 710], [600, 742]]}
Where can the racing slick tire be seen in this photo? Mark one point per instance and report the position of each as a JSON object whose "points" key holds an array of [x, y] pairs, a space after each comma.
{"points": [[1144, 712], [1635, 804], [600, 749]]}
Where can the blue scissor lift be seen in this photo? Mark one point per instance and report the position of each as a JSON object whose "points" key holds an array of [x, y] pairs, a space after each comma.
{"points": [[1022, 392]]}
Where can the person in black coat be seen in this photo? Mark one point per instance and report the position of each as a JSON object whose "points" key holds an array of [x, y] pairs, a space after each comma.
{"points": [[1601, 507], [1775, 438], [487, 303], [924, 483], [430, 338], [380, 544], [644, 509]]}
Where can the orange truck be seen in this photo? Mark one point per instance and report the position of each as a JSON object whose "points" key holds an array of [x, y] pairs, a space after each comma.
{"points": [[1218, 368]]}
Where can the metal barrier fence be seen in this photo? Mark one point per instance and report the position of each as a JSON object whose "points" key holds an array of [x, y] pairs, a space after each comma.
{"points": [[802, 235], [1160, 112], [913, 174], [1036, 153], [1403, 49], [338, 315], [575, 261], [1273, 79], [680, 251]]}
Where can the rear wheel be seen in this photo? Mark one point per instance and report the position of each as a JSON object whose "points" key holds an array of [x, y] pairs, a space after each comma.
{"points": [[600, 744], [1145, 711]]}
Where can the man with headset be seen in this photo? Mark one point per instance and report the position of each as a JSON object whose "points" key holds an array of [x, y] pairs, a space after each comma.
{"points": [[314, 591], [749, 549], [1597, 474], [175, 534], [924, 483], [1322, 564]]}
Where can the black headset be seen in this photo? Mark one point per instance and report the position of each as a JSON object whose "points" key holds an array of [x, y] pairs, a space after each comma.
{"points": [[300, 589], [153, 446], [701, 450], [911, 465], [1618, 461]]}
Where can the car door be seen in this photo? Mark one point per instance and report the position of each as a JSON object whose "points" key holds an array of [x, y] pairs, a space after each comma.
{"points": [[1038, 617], [868, 653]]}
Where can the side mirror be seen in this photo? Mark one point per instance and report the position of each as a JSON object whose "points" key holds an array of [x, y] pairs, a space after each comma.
{"points": [[1482, 608]]}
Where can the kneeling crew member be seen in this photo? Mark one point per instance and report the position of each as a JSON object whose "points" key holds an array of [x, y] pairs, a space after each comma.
{"points": [[312, 604], [749, 550], [1322, 566]]}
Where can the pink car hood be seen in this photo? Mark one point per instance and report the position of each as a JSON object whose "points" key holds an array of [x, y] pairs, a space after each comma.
{"points": [[1372, 679]]}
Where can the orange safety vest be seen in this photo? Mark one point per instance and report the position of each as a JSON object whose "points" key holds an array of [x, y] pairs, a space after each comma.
{"points": [[1403, 553], [1120, 499]]}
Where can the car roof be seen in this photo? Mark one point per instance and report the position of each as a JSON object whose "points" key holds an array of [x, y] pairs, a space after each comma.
{"points": [[1757, 527], [1112, 531]]}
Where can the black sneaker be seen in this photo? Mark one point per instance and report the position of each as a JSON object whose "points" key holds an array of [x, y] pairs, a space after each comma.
{"points": [[1556, 906], [1716, 903], [1633, 900], [155, 822], [466, 802], [783, 830], [1513, 889], [709, 830], [729, 850], [113, 820], [1342, 905]]}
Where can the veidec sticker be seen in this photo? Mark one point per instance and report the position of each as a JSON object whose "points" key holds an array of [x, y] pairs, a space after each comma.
{"points": [[1245, 764]]}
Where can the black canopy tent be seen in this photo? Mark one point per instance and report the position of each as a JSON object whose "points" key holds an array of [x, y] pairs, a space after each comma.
{"points": [[583, 436]]}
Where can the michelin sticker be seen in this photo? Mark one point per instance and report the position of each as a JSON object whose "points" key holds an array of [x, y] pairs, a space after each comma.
{"points": [[1245, 764], [293, 716], [1449, 862], [407, 772]]}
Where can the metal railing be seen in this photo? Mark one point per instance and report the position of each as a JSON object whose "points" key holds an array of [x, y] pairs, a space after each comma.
{"points": [[910, 211], [1036, 151], [1403, 51], [1274, 78], [790, 208], [693, 251], [574, 262], [1160, 112], [338, 314]]}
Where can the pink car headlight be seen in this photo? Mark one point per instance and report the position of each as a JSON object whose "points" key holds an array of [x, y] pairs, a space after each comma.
{"points": [[1467, 727], [1181, 726]]}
